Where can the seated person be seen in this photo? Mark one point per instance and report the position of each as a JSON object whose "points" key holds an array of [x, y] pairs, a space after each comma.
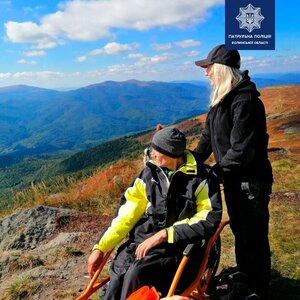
{"points": [[173, 202]]}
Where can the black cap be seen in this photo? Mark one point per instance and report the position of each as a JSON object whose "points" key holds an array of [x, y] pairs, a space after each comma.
{"points": [[169, 141], [221, 55]]}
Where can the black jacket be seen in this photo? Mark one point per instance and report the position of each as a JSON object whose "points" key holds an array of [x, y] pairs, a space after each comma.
{"points": [[236, 133]]}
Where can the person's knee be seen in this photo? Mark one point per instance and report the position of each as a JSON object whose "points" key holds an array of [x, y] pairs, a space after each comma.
{"points": [[134, 273]]}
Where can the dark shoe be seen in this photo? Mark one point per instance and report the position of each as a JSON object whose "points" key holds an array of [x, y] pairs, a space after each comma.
{"points": [[237, 287], [222, 278], [253, 297], [236, 296], [238, 280]]}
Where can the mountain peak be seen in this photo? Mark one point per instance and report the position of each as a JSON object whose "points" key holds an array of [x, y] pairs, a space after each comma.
{"points": [[21, 87]]}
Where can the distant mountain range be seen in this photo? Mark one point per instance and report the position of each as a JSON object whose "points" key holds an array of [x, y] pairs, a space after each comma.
{"points": [[262, 80], [42, 121], [276, 79], [35, 120]]}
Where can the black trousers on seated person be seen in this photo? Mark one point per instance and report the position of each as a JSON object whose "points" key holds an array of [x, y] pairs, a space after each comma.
{"points": [[247, 205], [155, 269]]}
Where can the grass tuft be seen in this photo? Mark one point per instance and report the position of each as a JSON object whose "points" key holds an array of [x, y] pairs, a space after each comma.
{"points": [[286, 175], [23, 288], [25, 262]]}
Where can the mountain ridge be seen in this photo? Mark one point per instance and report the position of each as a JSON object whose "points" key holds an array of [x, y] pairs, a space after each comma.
{"points": [[46, 121], [79, 119]]}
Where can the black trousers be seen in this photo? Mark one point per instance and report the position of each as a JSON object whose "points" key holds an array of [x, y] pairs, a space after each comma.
{"points": [[247, 205], [155, 269]]}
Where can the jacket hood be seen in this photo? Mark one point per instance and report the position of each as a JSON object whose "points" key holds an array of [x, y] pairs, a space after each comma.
{"points": [[246, 85]]}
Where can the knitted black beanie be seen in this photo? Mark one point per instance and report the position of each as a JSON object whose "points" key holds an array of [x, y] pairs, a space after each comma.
{"points": [[169, 141]]}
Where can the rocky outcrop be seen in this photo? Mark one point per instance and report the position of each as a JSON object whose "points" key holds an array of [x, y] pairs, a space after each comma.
{"points": [[28, 228], [43, 252]]}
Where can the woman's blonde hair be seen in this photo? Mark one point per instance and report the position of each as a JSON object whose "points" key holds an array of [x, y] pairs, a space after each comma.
{"points": [[224, 79]]}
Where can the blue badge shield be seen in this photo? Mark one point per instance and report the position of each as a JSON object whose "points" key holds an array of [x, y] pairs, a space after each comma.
{"points": [[250, 24]]}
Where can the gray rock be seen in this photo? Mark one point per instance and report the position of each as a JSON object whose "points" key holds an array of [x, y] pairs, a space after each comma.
{"points": [[24, 230]]}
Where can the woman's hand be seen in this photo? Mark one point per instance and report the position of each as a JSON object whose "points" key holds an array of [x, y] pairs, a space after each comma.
{"points": [[94, 262], [143, 248]]}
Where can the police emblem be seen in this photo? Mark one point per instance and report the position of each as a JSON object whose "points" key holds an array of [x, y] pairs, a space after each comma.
{"points": [[250, 18]]}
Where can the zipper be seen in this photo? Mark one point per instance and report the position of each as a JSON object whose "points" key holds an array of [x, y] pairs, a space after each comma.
{"points": [[166, 177], [167, 185], [167, 181]]}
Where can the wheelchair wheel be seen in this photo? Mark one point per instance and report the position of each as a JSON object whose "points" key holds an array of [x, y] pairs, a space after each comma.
{"points": [[207, 283]]}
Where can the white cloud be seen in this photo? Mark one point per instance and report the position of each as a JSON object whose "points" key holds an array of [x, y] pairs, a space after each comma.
{"points": [[109, 49], [187, 43], [5, 75], [35, 53], [135, 55], [120, 69], [115, 48], [164, 58], [193, 53], [162, 47], [92, 20], [29, 32], [188, 63], [37, 75], [247, 58], [292, 60], [26, 62], [81, 58], [165, 67], [250, 61], [96, 52], [153, 60]]}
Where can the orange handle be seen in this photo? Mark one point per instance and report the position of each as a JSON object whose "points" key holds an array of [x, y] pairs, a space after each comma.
{"points": [[93, 285]]}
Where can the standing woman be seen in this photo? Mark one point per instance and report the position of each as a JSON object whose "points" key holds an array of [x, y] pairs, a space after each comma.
{"points": [[235, 132]]}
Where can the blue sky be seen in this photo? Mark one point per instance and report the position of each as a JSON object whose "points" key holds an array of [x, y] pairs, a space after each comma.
{"points": [[61, 44]]}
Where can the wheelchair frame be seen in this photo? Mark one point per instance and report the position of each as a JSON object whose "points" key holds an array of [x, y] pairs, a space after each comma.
{"points": [[197, 289]]}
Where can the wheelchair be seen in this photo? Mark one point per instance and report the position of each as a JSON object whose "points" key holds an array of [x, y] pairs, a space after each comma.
{"points": [[198, 289]]}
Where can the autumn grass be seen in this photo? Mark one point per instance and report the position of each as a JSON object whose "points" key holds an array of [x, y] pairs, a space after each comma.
{"points": [[98, 193], [285, 236], [286, 175], [25, 262], [23, 287], [64, 295], [64, 253]]}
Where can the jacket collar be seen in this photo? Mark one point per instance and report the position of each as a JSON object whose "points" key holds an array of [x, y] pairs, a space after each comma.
{"points": [[189, 167]]}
